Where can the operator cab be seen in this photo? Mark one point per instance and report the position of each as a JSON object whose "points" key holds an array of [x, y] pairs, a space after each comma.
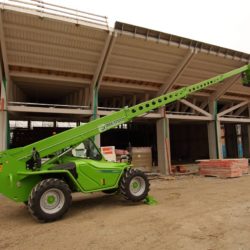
{"points": [[87, 149]]}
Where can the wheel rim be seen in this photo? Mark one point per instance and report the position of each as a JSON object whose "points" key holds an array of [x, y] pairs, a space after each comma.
{"points": [[52, 201], [137, 186]]}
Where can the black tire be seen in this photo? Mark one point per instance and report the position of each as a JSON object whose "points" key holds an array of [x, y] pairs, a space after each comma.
{"points": [[134, 185], [49, 200], [110, 191]]}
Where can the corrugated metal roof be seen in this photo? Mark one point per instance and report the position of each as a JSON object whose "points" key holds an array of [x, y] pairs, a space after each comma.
{"points": [[50, 50]]}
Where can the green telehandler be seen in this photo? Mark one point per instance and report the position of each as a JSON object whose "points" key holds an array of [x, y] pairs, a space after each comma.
{"points": [[44, 174]]}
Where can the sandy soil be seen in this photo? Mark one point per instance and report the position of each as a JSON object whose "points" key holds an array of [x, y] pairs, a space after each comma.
{"points": [[193, 213]]}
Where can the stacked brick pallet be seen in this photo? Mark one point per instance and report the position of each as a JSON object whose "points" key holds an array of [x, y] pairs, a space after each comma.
{"points": [[226, 168]]}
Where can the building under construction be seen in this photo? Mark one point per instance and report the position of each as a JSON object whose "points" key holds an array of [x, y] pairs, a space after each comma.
{"points": [[62, 67]]}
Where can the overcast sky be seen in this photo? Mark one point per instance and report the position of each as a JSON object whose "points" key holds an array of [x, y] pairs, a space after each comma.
{"points": [[220, 22]]}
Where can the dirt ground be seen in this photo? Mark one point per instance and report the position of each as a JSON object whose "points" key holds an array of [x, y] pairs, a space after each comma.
{"points": [[192, 213]]}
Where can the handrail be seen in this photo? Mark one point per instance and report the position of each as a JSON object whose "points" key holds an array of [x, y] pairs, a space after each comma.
{"points": [[41, 7]]}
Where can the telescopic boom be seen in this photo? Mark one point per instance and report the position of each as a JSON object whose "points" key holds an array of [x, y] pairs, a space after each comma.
{"points": [[76, 135]]}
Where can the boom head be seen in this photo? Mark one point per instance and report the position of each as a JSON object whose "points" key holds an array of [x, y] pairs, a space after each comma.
{"points": [[246, 78]]}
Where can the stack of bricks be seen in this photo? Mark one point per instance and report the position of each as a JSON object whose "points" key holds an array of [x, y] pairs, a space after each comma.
{"points": [[226, 168]]}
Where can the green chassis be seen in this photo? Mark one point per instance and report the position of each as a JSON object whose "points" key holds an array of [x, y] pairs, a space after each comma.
{"points": [[92, 176]]}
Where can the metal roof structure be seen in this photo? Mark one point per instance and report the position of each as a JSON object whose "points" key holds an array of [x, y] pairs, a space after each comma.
{"points": [[56, 55]]}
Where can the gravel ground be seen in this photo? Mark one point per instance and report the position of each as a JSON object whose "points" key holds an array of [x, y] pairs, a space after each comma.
{"points": [[192, 213]]}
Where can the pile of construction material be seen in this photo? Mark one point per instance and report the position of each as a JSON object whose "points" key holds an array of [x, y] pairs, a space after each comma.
{"points": [[142, 158], [226, 168]]}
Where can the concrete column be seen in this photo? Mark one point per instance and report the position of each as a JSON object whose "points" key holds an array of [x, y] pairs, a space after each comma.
{"points": [[163, 145], [3, 130], [97, 138], [214, 134], [76, 98], [248, 132], [218, 139], [245, 129], [248, 129], [123, 101]]}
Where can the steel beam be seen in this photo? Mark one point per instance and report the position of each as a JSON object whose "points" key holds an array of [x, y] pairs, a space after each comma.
{"points": [[191, 105], [173, 78], [203, 105], [222, 89], [240, 110], [107, 57], [232, 108], [94, 82]]}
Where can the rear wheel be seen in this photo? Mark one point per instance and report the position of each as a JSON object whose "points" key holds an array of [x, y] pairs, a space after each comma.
{"points": [[134, 185], [50, 199]]}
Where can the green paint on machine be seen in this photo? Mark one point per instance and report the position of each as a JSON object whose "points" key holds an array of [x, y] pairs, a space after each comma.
{"points": [[70, 162]]}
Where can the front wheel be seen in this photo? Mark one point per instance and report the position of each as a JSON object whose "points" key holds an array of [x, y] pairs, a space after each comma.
{"points": [[50, 199], [134, 185]]}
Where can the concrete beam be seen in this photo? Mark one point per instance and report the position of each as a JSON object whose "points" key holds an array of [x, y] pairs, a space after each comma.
{"points": [[128, 86], [146, 116], [177, 73], [189, 117], [234, 120], [51, 110]]}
